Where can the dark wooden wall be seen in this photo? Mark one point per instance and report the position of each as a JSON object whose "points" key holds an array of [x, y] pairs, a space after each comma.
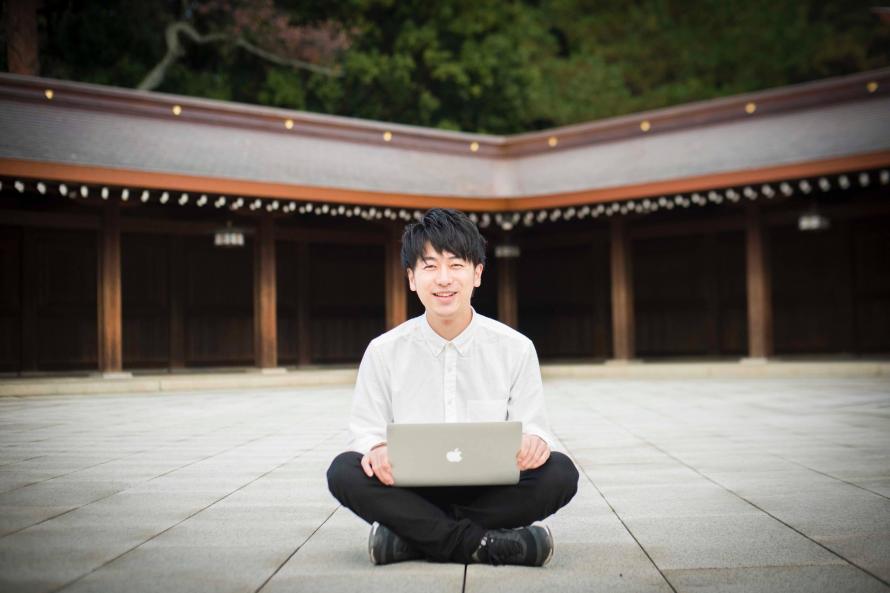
{"points": [[871, 282], [690, 295], [339, 289], [346, 300], [831, 288], [218, 303], [213, 288], [48, 310], [10, 299], [145, 287], [188, 303], [564, 299]]}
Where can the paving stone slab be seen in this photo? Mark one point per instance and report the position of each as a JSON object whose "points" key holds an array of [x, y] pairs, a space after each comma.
{"points": [[774, 579], [725, 542], [841, 510], [870, 551], [156, 568], [54, 493], [335, 559], [253, 463], [16, 518], [14, 479], [695, 499], [46, 556], [575, 567]]}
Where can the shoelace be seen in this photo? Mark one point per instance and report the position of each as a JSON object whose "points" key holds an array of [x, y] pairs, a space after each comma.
{"points": [[500, 550]]}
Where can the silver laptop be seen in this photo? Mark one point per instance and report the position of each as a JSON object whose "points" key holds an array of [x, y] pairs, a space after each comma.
{"points": [[454, 453]]}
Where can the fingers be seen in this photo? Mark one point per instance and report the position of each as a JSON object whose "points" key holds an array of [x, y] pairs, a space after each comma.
{"points": [[366, 466], [524, 450], [384, 474], [378, 463], [534, 453], [541, 459]]}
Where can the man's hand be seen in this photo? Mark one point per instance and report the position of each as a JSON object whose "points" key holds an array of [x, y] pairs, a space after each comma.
{"points": [[533, 453], [376, 463]]}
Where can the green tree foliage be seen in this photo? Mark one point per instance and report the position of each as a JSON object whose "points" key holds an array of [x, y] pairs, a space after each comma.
{"points": [[484, 65]]}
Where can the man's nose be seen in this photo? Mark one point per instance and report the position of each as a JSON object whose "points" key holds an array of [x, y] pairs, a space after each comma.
{"points": [[444, 275]]}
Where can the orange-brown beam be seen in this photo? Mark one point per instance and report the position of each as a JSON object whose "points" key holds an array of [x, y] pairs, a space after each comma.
{"points": [[395, 278], [623, 320], [193, 183], [109, 292], [508, 302], [264, 304], [760, 311]]}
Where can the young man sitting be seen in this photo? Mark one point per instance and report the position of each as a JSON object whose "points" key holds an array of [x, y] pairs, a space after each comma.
{"points": [[451, 365]]}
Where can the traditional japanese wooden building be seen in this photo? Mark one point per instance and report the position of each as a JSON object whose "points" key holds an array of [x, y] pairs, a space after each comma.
{"points": [[145, 231]]}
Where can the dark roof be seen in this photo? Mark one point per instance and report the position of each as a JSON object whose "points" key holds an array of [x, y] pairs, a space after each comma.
{"points": [[109, 129]]}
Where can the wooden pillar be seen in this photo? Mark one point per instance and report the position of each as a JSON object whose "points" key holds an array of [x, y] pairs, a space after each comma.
{"points": [[177, 300], [396, 281], [304, 335], [265, 336], [623, 326], [22, 55], [508, 306], [110, 314], [760, 311]]}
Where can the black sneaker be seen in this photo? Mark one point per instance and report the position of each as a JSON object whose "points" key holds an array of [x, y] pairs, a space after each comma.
{"points": [[525, 546], [385, 547]]}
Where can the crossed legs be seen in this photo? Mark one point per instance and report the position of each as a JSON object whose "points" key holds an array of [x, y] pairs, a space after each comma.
{"points": [[447, 523]]}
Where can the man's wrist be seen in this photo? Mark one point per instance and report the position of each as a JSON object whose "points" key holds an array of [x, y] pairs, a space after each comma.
{"points": [[377, 446]]}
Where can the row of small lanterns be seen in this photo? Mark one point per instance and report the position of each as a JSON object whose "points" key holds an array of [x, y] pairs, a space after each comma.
{"points": [[505, 220], [645, 125]]}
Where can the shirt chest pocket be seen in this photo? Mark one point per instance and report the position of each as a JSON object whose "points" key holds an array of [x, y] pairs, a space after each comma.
{"points": [[486, 410]]}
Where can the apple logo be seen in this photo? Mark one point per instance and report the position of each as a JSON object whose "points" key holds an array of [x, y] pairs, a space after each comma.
{"points": [[453, 456]]}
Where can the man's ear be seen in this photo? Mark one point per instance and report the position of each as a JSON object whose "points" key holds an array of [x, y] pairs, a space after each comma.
{"points": [[477, 276], [411, 280]]}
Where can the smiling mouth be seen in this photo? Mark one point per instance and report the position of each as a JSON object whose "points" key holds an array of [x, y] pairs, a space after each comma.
{"points": [[444, 294]]}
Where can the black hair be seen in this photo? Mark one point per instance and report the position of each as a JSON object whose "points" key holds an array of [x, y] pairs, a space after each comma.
{"points": [[446, 230]]}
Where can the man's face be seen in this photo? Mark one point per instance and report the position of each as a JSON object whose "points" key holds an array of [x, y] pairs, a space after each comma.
{"points": [[444, 283]]}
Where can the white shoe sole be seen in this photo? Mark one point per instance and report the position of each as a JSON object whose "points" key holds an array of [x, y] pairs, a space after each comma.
{"points": [[374, 528]]}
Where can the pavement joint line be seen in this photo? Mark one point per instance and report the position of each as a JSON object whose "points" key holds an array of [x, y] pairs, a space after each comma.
{"points": [[827, 475], [56, 516], [2, 465], [740, 497], [463, 587], [617, 516], [238, 489], [297, 549]]}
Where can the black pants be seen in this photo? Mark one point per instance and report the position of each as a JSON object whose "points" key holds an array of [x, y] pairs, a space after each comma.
{"points": [[447, 523]]}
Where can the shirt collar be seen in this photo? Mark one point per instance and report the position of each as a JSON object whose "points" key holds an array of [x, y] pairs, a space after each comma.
{"points": [[437, 343]]}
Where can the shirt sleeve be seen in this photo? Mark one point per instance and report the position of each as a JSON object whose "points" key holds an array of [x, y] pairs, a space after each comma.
{"points": [[371, 404], [526, 401]]}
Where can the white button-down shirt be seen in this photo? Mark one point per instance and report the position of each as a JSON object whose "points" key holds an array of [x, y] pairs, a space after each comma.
{"points": [[411, 374]]}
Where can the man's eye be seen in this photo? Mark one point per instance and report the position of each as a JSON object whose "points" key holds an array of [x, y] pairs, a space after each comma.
{"points": [[429, 267], [457, 265]]}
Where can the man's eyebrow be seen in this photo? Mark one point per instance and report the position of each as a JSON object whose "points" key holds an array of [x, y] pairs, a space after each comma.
{"points": [[430, 258]]}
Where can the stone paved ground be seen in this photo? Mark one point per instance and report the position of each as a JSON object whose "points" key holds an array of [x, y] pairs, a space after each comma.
{"points": [[743, 485]]}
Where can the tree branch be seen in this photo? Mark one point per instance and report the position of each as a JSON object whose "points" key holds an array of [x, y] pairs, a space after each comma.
{"points": [[175, 51], [281, 61]]}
